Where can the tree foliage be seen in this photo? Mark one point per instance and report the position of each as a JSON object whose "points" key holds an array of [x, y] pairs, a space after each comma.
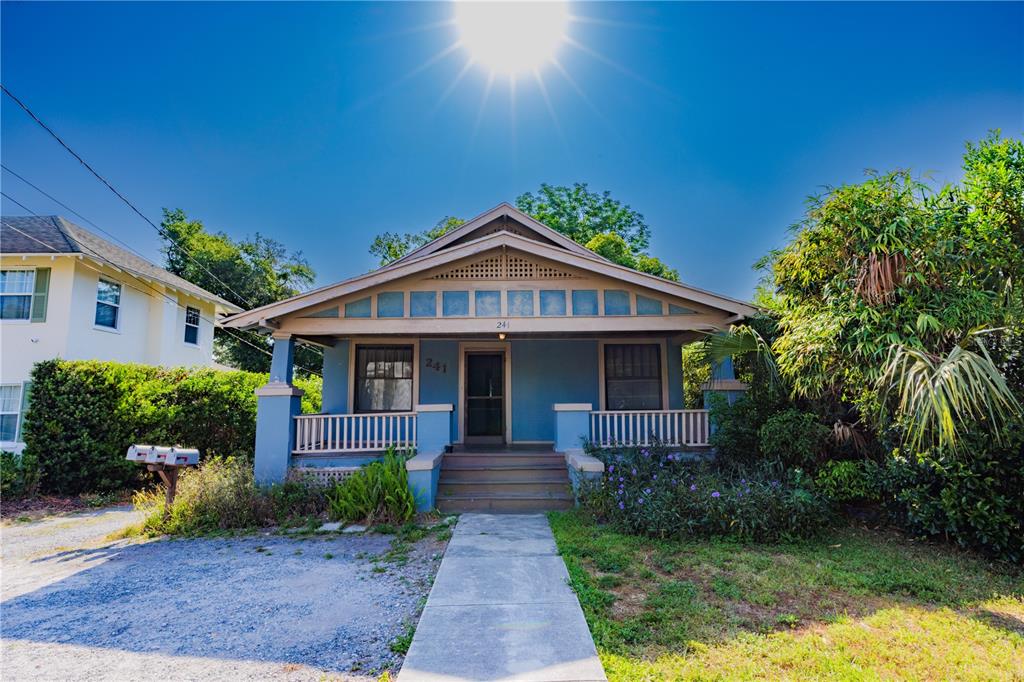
{"points": [[892, 267], [249, 273], [596, 220]]}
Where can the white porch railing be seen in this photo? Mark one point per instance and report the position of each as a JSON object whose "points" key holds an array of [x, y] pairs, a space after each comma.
{"points": [[646, 427], [341, 433]]}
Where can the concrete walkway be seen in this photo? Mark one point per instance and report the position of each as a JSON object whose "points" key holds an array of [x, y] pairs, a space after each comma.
{"points": [[501, 609]]}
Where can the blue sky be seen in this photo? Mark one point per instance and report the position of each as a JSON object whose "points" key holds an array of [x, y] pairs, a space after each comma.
{"points": [[323, 124]]}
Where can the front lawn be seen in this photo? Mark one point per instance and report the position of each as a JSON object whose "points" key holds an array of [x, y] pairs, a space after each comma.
{"points": [[858, 604]]}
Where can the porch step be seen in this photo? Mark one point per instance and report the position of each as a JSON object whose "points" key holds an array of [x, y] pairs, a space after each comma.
{"points": [[529, 486], [502, 459], [503, 503], [502, 472]]}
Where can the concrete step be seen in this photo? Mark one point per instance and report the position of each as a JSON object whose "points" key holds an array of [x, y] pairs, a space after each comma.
{"points": [[448, 487], [502, 503], [478, 472], [503, 459]]}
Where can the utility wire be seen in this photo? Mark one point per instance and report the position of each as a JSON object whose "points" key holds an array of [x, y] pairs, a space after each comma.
{"points": [[130, 286], [159, 230]]}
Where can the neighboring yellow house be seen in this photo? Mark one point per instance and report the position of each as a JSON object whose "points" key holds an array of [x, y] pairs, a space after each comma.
{"points": [[67, 293]]}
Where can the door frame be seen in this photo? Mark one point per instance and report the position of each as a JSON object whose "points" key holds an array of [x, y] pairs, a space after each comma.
{"points": [[505, 349]]}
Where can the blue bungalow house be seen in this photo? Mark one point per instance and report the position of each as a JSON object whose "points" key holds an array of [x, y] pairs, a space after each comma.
{"points": [[494, 351]]}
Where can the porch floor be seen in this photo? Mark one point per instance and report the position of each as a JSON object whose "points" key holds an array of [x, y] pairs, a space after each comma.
{"points": [[503, 479]]}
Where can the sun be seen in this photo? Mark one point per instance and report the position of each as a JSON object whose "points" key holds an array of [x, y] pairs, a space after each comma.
{"points": [[511, 38]]}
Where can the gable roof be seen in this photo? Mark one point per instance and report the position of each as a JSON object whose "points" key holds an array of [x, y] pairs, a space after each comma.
{"points": [[47, 235], [406, 268], [502, 210]]}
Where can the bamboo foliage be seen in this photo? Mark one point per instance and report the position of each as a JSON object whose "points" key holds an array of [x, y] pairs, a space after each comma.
{"points": [[744, 340], [879, 277], [939, 398]]}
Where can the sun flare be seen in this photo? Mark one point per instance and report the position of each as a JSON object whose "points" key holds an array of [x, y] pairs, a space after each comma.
{"points": [[511, 38]]}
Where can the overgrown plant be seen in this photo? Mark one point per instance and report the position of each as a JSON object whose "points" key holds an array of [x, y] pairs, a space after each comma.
{"points": [[377, 493], [939, 399]]}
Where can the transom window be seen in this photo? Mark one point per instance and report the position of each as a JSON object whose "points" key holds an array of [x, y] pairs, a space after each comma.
{"points": [[16, 294], [108, 304], [383, 379], [632, 376], [10, 409], [192, 325]]}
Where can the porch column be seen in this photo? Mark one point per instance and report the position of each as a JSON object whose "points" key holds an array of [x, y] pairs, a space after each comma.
{"points": [[572, 425], [723, 382], [276, 404], [572, 428], [433, 436]]}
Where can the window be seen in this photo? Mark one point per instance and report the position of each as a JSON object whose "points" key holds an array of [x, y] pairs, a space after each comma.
{"points": [[192, 325], [10, 410], [16, 288], [108, 304], [383, 379], [632, 376]]}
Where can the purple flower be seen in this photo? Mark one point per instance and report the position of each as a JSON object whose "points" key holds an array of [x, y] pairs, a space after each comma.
{"points": [[716, 494], [611, 468], [622, 505], [621, 479], [646, 452], [634, 472], [640, 500], [743, 480], [655, 477], [647, 491], [693, 487]]}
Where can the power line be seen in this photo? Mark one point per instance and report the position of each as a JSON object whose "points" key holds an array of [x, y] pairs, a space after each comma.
{"points": [[158, 293], [86, 220], [159, 230]]}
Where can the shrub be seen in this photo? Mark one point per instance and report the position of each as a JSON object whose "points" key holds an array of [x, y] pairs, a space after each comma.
{"points": [[18, 475], [794, 438], [83, 415], [849, 481], [221, 494], [653, 492], [972, 499], [377, 493]]}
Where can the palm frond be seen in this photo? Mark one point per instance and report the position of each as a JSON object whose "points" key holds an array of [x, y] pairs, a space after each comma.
{"points": [[744, 340], [940, 398]]}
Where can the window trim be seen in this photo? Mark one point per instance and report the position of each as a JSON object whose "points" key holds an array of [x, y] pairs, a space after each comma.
{"points": [[29, 295], [17, 412], [413, 348], [117, 318], [197, 325], [662, 358]]}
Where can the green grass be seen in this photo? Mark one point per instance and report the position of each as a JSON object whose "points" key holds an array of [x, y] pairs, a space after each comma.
{"points": [[858, 605]]}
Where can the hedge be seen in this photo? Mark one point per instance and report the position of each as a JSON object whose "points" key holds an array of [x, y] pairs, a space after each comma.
{"points": [[83, 415]]}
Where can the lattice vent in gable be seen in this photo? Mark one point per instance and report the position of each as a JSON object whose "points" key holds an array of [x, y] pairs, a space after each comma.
{"points": [[504, 267]]}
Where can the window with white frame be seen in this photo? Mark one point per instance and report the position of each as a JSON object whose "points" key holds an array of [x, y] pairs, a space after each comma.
{"points": [[16, 288], [383, 379], [108, 304], [192, 325], [10, 411], [632, 376]]}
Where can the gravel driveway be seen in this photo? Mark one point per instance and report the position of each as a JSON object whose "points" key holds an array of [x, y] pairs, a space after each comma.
{"points": [[76, 606]]}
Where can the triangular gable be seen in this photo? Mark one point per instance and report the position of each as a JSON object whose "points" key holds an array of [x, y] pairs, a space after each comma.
{"points": [[501, 218], [483, 249]]}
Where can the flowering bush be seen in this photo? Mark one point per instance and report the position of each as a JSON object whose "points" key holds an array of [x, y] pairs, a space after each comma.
{"points": [[652, 491]]}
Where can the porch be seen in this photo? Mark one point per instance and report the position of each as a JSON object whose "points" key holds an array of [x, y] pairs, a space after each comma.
{"points": [[495, 425]]}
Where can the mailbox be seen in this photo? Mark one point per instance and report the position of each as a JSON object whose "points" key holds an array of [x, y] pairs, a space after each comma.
{"points": [[158, 455], [182, 457], [138, 453]]}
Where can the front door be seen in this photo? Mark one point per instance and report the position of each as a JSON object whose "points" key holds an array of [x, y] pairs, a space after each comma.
{"points": [[485, 400]]}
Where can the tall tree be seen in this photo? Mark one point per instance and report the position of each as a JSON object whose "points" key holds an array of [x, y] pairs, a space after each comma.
{"points": [[883, 290], [249, 273], [595, 220]]}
